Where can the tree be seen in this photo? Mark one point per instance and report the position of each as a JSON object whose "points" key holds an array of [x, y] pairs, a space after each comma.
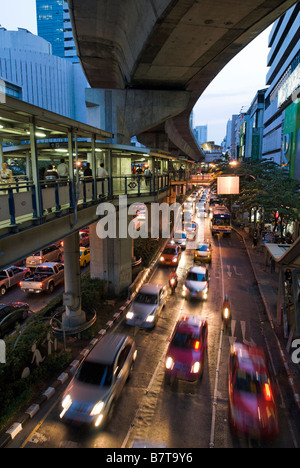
{"points": [[264, 186]]}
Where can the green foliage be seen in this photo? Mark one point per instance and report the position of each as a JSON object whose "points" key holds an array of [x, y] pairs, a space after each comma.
{"points": [[263, 184]]}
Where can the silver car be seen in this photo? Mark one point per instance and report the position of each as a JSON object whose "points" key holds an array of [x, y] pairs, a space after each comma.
{"points": [[91, 395], [147, 306]]}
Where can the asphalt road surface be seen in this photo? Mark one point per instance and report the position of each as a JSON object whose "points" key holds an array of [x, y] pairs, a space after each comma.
{"points": [[184, 415]]}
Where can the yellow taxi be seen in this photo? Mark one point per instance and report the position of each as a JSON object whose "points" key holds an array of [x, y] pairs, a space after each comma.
{"points": [[84, 256], [202, 253]]}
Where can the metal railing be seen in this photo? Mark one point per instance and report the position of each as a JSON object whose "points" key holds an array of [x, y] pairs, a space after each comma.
{"points": [[23, 201]]}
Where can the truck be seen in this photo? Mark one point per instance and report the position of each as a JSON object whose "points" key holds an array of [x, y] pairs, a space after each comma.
{"points": [[11, 276], [45, 278]]}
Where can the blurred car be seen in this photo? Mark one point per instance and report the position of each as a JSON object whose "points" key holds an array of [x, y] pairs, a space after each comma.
{"points": [[187, 214], [202, 253], [179, 238], [196, 283], [191, 229], [186, 352], [85, 256], [252, 406], [11, 314], [170, 255], [84, 238], [147, 305], [91, 396], [52, 253]]}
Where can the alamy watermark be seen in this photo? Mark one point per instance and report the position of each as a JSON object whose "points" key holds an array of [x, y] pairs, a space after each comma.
{"points": [[2, 352], [296, 353], [157, 221]]}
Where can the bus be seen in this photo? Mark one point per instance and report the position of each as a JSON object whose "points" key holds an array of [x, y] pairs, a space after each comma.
{"points": [[221, 220]]}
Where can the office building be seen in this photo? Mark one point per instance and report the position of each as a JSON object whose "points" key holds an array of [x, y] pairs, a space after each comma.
{"points": [[30, 70], [50, 24], [54, 25], [281, 139], [200, 133]]}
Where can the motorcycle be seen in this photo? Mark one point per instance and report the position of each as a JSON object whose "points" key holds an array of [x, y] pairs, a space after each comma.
{"points": [[173, 285]]}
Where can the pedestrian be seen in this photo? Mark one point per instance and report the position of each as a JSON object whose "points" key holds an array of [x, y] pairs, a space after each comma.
{"points": [[62, 169], [133, 170], [254, 239], [101, 171], [147, 175], [6, 177], [88, 171]]}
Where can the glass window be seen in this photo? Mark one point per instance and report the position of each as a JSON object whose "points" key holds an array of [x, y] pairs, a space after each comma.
{"points": [[95, 374]]}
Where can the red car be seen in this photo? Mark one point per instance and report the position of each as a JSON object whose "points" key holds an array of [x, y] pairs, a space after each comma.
{"points": [[170, 255], [187, 348], [252, 406]]}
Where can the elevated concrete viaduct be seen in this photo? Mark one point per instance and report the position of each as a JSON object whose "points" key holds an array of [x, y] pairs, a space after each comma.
{"points": [[148, 51]]}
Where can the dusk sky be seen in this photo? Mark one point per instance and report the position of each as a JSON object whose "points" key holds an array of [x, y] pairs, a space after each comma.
{"points": [[234, 88]]}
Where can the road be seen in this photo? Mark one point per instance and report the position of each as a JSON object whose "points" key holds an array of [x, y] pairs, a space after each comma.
{"points": [[184, 415]]}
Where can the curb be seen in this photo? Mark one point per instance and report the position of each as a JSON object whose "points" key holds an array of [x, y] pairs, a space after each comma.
{"points": [[18, 426], [282, 354]]}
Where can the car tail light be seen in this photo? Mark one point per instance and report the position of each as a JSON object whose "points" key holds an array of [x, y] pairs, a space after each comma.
{"points": [[197, 345], [268, 392]]}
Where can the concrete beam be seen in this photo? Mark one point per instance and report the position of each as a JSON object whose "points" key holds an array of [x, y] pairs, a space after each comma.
{"points": [[131, 112]]}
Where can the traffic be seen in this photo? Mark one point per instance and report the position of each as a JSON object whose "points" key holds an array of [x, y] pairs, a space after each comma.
{"points": [[187, 366]]}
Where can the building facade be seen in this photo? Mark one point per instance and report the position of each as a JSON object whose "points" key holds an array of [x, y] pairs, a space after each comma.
{"points": [[39, 77], [281, 117], [200, 133]]}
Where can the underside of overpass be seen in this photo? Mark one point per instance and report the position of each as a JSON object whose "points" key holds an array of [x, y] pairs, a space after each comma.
{"points": [[166, 45]]}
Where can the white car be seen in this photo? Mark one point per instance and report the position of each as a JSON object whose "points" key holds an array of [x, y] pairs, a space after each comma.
{"points": [[180, 238], [91, 396], [196, 283], [147, 306]]}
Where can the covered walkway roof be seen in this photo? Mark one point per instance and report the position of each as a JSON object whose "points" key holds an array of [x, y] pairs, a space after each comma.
{"points": [[16, 118]]}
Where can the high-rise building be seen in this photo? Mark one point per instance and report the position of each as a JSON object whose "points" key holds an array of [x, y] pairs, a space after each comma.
{"points": [[50, 24], [200, 133], [54, 25], [281, 140]]}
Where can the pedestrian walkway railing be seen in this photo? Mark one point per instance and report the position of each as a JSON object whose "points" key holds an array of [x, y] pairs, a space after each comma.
{"points": [[24, 201]]}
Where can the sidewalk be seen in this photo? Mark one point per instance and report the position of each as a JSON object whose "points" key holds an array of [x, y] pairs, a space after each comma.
{"points": [[268, 286]]}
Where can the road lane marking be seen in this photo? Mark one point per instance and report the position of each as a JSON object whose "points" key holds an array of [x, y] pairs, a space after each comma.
{"points": [[132, 425], [214, 408]]}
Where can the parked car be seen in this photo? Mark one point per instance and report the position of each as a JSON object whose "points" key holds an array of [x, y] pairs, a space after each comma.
{"points": [[52, 253], [85, 256], [91, 396], [196, 283], [252, 406], [186, 352], [12, 276], [202, 253], [45, 278], [11, 314], [170, 255], [147, 306]]}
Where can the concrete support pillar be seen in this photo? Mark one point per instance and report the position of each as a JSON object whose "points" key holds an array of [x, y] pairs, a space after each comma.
{"points": [[111, 260], [74, 315]]}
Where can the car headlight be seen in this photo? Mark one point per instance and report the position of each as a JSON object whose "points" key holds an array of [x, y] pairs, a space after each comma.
{"points": [[162, 259], [184, 290], [175, 260], [150, 318], [195, 367], [97, 408], [129, 315], [169, 363], [66, 404]]}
